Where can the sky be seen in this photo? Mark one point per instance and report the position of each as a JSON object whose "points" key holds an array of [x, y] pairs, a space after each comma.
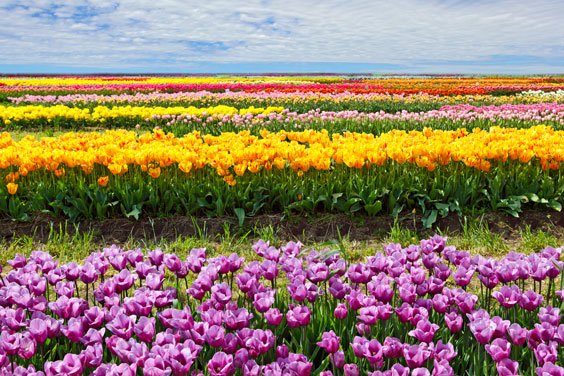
{"points": [[233, 36]]}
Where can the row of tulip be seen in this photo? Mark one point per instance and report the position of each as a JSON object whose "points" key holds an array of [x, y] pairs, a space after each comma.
{"points": [[119, 115], [444, 118], [72, 81], [215, 120], [433, 86], [437, 172], [409, 82], [427, 309], [298, 101]]}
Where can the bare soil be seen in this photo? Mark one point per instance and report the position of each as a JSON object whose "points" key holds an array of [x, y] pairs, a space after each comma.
{"points": [[304, 228]]}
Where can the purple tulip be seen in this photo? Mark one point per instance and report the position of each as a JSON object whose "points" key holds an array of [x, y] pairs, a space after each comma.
{"points": [[74, 330], [442, 368], [392, 348], [359, 274], [154, 280], [530, 300], [144, 268], [359, 346], [338, 359], [37, 285], [297, 290], [273, 316], [251, 368], [88, 273], [221, 364], [156, 257], [69, 366], [221, 293], [27, 346], [122, 325], [298, 365], [545, 331], [407, 293], [396, 370], [420, 372], [298, 316], [351, 369], [241, 357], [66, 308], [337, 288], [550, 369], [38, 330], [425, 331], [181, 357], [92, 355], [18, 261], [134, 257], [230, 343], [264, 300], [508, 296], [258, 342], [176, 318], [145, 329], [118, 262], [115, 370], [155, 366], [546, 353], [269, 270], [124, 280], [517, 334], [466, 302], [463, 276], [341, 311], [416, 355], [373, 353], [317, 272], [329, 342], [500, 327], [237, 319], [93, 336], [483, 330], [93, 317], [507, 367], [215, 335], [444, 351], [499, 349], [440, 303], [368, 315], [550, 315]]}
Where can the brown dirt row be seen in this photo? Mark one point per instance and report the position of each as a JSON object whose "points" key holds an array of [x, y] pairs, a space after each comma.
{"points": [[304, 228]]}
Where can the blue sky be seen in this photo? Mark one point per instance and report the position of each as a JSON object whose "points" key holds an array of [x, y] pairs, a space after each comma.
{"points": [[433, 36]]}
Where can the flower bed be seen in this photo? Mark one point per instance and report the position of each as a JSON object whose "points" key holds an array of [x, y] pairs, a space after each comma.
{"points": [[424, 309]]}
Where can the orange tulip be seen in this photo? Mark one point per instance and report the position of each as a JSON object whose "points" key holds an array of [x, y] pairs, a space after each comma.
{"points": [[12, 188], [103, 181]]}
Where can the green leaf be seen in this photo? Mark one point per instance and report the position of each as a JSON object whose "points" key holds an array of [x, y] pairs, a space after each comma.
{"points": [[374, 208], [428, 220], [134, 213], [240, 213], [443, 208], [553, 204]]}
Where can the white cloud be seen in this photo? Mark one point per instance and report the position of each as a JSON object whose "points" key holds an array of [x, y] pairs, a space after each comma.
{"points": [[170, 34]]}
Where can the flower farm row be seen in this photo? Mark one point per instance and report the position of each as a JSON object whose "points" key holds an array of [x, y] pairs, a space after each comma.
{"points": [[406, 311], [87, 175], [215, 120]]}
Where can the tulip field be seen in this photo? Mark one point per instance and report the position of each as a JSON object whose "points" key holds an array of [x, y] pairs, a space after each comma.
{"points": [[97, 147], [84, 149]]}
